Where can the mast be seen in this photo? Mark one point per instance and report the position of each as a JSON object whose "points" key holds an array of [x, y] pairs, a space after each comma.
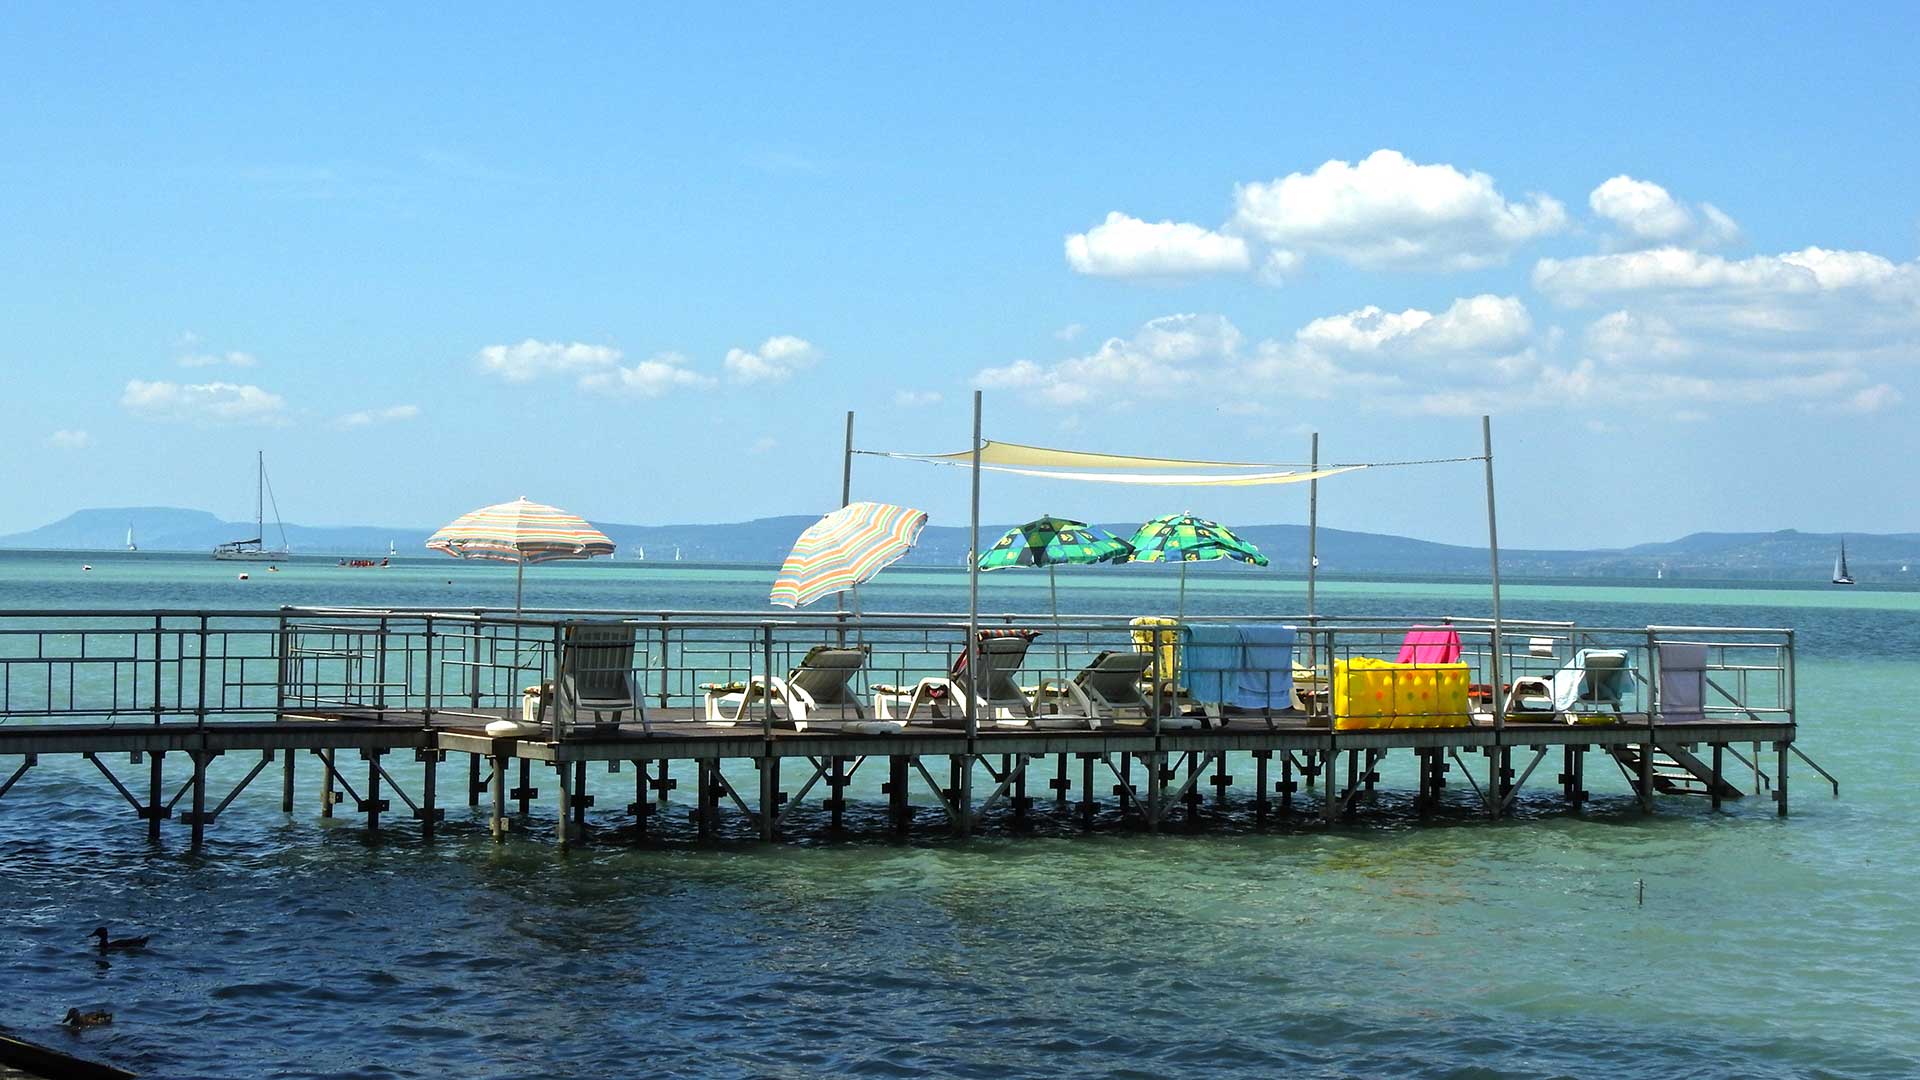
{"points": [[260, 495]]}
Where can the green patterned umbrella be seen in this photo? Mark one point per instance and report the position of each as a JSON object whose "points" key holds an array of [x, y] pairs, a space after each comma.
{"points": [[1049, 542], [1184, 538]]}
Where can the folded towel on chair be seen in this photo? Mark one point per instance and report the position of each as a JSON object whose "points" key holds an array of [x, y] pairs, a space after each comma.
{"points": [[1430, 645], [1210, 662], [1265, 679]]}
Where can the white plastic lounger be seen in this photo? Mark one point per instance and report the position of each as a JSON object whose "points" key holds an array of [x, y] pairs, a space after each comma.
{"points": [[819, 682]]}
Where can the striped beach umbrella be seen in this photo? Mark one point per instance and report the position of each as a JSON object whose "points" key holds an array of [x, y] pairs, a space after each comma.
{"points": [[1183, 538], [520, 532], [845, 548]]}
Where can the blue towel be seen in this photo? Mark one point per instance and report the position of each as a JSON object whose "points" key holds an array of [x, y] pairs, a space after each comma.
{"points": [[1266, 673], [1209, 660]]}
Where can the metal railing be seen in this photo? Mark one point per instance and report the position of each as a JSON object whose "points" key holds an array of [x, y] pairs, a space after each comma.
{"points": [[426, 666]]}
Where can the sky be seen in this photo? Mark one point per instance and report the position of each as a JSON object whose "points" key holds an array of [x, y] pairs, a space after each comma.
{"points": [[640, 262]]}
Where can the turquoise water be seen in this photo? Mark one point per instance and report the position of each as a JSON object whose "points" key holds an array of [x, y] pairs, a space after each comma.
{"points": [[294, 947]]}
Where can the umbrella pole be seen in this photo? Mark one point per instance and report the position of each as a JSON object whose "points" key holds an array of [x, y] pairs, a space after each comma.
{"points": [[1183, 588], [1060, 644]]}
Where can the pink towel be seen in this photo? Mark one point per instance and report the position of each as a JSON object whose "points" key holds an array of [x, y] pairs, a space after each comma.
{"points": [[1430, 645]]}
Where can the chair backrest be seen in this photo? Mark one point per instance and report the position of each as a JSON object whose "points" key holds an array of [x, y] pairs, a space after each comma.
{"points": [[1607, 676], [1430, 645], [1002, 652], [825, 672], [1113, 679], [597, 661]]}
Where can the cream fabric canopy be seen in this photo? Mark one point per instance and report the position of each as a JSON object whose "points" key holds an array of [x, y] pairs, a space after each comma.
{"points": [[1057, 464]]}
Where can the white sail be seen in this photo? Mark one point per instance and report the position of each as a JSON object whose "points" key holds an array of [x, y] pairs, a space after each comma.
{"points": [[131, 546]]}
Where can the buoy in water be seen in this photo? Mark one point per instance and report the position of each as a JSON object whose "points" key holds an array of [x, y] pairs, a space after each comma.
{"points": [[86, 566], [243, 577]]}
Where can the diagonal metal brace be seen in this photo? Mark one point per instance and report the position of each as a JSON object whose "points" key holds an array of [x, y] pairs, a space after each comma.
{"points": [[266, 758], [27, 762], [1539, 752]]}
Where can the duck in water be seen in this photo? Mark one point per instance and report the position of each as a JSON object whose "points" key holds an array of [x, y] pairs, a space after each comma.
{"points": [[112, 944], [76, 1020]]}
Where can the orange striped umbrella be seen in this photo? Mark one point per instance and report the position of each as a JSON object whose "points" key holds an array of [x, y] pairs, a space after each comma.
{"points": [[845, 548], [520, 532]]}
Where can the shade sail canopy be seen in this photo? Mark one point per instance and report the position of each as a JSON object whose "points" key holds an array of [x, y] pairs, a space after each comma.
{"points": [[1183, 538], [1002, 453], [1052, 541], [520, 531], [1053, 464], [845, 548]]}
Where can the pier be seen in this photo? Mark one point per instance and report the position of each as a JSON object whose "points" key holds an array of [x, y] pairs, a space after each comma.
{"points": [[334, 701]]}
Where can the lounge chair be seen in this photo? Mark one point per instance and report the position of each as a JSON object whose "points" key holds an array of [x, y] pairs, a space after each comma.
{"points": [[596, 675], [1107, 688], [1593, 677], [1004, 703], [820, 681]]}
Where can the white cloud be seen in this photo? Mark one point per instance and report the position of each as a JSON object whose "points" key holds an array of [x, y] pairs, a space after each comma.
{"points": [[775, 360], [653, 377], [1124, 246], [1069, 332], [1874, 399], [1646, 213], [214, 402], [765, 444], [1479, 354], [532, 359], [227, 359], [915, 399], [1166, 353], [1767, 316], [390, 414], [70, 439], [1486, 324], [1389, 212], [1805, 272]]}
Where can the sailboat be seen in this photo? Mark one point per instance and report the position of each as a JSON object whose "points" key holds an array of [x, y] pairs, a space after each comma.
{"points": [[131, 546], [254, 549], [676, 553], [639, 553], [1840, 575]]}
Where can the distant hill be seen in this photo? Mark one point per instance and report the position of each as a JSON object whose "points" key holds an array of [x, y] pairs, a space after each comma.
{"points": [[1784, 555]]}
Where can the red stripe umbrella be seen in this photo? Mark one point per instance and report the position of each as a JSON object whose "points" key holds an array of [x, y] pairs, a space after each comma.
{"points": [[845, 548]]}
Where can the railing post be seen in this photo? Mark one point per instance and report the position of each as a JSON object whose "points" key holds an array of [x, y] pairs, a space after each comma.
{"points": [[665, 644], [380, 672], [426, 699], [769, 778], [200, 702]]}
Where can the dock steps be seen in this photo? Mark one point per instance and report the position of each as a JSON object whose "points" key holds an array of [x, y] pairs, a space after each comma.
{"points": [[1675, 772]]}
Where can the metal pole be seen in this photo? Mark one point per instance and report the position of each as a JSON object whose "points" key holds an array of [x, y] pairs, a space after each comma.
{"points": [[974, 675], [846, 496], [1493, 556], [1313, 525]]}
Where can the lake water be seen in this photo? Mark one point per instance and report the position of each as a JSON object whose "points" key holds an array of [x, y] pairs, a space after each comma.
{"points": [[296, 947]]}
